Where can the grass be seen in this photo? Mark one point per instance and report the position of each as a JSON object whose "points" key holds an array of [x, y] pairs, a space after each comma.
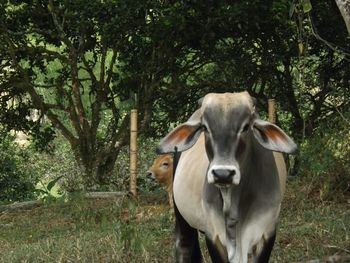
{"points": [[88, 231], [310, 228], [141, 230]]}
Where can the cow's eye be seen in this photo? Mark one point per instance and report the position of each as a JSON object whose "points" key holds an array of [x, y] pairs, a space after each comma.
{"points": [[245, 128], [166, 164]]}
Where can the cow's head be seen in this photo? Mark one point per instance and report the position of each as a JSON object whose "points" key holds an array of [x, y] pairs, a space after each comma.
{"points": [[229, 123]]}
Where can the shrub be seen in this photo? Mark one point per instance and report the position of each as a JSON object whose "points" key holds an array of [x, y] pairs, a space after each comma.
{"points": [[17, 182], [145, 156], [58, 163], [325, 160], [61, 163]]}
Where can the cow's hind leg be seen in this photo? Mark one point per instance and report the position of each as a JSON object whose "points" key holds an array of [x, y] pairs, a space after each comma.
{"points": [[265, 252], [187, 244], [215, 253]]}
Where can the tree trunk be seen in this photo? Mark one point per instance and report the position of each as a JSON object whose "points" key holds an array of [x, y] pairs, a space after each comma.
{"points": [[97, 164], [97, 170], [287, 82], [344, 8]]}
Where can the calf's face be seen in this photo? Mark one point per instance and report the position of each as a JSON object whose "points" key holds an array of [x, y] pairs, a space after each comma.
{"points": [[161, 169]]}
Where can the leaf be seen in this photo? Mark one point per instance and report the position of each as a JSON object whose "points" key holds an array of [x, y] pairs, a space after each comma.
{"points": [[301, 48], [307, 7], [291, 10], [52, 183], [40, 191]]}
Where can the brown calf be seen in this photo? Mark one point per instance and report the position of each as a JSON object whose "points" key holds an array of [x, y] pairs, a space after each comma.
{"points": [[162, 171]]}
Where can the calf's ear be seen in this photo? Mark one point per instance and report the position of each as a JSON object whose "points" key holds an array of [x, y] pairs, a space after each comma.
{"points": [[272, 137], [182, 137]]}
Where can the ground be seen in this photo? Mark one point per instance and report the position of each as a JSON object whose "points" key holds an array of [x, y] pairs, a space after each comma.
{"points": [[141, 230]]}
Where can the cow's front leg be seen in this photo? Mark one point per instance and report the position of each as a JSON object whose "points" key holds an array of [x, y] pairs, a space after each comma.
{"points": [[187, 248], [217, 251], [262, 255]]}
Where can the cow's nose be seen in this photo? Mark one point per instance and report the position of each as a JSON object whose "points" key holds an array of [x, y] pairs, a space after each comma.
{"points": [[223, 176]]}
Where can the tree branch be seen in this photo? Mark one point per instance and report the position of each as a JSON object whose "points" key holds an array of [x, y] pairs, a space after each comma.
{"points": [[73, 61], [102, 65], [47, 53], [36, 98], [327, 43], [89, 70], [110, 69], [59, 28]]}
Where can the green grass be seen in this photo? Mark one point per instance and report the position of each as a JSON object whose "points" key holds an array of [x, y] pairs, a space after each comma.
{"points": [[142, 230], [88, 231], [311, 229]]}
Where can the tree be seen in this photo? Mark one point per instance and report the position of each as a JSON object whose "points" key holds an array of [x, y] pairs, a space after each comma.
{"points": [[64, 58], [83, 65], [69, 60]]}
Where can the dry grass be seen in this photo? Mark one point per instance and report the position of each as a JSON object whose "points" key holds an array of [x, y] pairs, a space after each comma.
{"points": [[142, 230]]}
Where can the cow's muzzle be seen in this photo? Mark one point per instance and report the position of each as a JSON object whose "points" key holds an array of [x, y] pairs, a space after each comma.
{"points": [[226, 175], [223, 176]]}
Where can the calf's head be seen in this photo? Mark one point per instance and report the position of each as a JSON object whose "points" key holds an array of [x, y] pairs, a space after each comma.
{"points": [[161, 169], [229, 123]]}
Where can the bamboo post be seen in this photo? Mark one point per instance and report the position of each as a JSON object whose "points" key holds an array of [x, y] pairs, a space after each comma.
{"points": [[272, 110], [133, 151]]}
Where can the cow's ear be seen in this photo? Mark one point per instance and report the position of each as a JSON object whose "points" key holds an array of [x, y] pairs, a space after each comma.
{"points": [[272, 137], [183, 136]]}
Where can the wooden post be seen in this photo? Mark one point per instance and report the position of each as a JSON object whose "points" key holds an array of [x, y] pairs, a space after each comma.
{"points": [[272, 110], [133, 151]]}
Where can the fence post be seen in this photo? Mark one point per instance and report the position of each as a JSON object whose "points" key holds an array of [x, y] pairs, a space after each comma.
{"points": [[133, 151], [272, 110]]}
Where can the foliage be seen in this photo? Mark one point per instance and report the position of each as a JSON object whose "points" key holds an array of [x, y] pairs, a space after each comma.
{"points": [[121, 173], [47, 191], [59, 162], [17, 180], [68, 61], [325, 160], [59, 167], [82, 65], [27, 173]]}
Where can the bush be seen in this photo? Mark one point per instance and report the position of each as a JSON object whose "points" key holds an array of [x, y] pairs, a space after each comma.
{"points": [[61, 163], [17, 181], [22, 169], [145, 156], [58, 163], [325, 160]]}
